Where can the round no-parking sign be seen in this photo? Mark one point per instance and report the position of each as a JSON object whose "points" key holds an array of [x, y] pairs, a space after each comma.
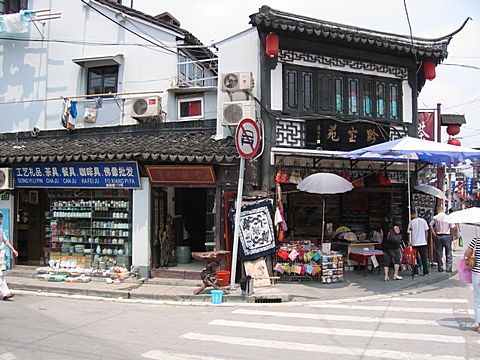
{"points": [[247, 138]]}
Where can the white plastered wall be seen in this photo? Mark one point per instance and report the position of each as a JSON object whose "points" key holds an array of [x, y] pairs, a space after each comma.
{"points": [[141, 228]]}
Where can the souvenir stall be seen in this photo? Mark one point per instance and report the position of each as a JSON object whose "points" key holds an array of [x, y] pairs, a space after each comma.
{"points": [[324, 234]]}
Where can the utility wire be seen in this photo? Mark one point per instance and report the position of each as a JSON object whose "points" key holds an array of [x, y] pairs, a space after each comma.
{"points": [[126, 28]]}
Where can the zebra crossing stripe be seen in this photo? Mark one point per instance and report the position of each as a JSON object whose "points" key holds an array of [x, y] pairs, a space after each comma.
{"points": [[341, 332], [169, 355], [316, 348], [425, 300], [395, 309], [354, 318]]}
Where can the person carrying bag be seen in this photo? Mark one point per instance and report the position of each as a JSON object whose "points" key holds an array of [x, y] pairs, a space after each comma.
{"points": [[472, 254]]}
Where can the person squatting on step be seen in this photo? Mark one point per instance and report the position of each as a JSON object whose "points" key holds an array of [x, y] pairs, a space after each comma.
{"points": [[4, 290]]}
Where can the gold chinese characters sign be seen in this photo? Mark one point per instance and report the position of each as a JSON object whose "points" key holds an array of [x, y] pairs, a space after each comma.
{"points": [[345, 136]]}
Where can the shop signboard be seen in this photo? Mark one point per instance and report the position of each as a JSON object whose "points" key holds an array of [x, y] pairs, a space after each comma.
{"points": [[91, 175], [344, 136]]}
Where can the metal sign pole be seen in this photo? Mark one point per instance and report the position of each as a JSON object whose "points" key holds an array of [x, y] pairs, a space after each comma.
{"points": [[238, 208]]}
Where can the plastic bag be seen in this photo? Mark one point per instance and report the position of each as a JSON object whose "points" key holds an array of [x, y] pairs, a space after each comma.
{"points": [[464, 273]]}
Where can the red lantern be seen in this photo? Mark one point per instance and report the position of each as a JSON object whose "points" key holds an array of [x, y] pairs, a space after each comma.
{"points": [[453, 129], [429, 69], [455, 142], [272, 45]]}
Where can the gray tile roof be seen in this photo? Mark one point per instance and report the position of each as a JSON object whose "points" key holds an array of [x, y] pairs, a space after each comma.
{"points": [[278, 21], [142, 143]]}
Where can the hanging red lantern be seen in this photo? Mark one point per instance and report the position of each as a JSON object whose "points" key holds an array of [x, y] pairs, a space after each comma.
{"points": [[272, 45], [455, 142], [453, 129], [429, 69]]}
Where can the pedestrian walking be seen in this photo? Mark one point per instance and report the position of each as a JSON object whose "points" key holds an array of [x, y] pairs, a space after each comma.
{"points": [[418, 227], [391, 253], [441, 231], [4, 290], [474, 249]]}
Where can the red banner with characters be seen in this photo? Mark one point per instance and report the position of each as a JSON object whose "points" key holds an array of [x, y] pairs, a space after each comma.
{"points": [[426, 122]]}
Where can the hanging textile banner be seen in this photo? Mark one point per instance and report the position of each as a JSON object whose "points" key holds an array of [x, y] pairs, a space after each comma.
{"points": [[426, 121]]}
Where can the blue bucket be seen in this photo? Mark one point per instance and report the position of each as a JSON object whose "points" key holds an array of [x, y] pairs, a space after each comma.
{"points": [[216, 296]]}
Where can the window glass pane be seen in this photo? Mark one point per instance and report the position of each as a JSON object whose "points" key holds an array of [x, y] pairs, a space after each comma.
{"points": [[394, 101], [182, 69], [195, 108], [102, 80], [353, 97], [292, 89], [191, 71], [381, 100], [190, 108], [307, 91], [367, 98], [339, 95], [200, 75]]}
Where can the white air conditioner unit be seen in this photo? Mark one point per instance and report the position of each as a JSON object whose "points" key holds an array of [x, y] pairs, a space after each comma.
{"points": [[234, 111], [237, 81], [146, 106], [6, 179]]}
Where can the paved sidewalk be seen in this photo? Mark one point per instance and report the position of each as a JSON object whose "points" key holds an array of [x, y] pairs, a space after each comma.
{"points": [[355, 285]]}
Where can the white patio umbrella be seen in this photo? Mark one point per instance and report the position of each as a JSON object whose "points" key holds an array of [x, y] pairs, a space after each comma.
{"points": [[324, 183], [467, 216], [431, 190]]}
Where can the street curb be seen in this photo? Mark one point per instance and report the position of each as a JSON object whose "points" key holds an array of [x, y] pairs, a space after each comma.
{"points": [[126, 294]]}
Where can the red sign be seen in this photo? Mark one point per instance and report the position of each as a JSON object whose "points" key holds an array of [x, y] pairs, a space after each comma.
{"points": [[181, 175], [426, 121], [247, 138]]}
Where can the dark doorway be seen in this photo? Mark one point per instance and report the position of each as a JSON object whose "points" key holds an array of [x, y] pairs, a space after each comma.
{"points": [[191, 204]]}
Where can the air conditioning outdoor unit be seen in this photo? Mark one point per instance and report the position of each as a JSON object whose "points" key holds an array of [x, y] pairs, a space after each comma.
{"points": [[6, 179], [234, 111], [237, 81], [146, 106]]}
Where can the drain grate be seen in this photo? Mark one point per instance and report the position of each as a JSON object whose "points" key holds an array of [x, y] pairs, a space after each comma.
{"points": [[267, 301]]}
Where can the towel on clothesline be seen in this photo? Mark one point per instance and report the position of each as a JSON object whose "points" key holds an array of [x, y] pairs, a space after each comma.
{"points": [[16, 23]]}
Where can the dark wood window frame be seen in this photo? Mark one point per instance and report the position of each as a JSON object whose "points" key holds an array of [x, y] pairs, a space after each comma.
{"points": [[326, 98], [12, 6], [105, 72]]}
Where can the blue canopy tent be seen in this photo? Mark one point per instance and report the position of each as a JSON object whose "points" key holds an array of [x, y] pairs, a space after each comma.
{"points": [[408, 148]]}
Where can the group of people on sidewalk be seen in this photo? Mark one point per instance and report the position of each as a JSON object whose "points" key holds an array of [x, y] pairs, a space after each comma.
{"points": [[418, 228], [444, 235]]}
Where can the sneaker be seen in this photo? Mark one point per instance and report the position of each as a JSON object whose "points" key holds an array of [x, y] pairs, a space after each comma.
{"points": [[441, 270], [397, 277], [426, 274], [386, 278]]}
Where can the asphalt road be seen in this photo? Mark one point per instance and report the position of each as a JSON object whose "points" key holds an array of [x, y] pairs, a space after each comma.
{"points": [[431, 323]]}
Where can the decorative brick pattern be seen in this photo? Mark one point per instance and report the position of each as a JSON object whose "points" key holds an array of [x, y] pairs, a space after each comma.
{"points": [[287, 56], [398, 131], [290, 133]]}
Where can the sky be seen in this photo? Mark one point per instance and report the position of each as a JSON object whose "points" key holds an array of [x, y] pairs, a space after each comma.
{"points": [[456, 88]]}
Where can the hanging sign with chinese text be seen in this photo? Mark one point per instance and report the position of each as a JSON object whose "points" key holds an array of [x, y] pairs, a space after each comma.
{"points": [[78, 175], [333, 135]]}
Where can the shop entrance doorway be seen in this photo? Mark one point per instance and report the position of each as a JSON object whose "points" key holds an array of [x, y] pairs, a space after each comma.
{"points": [[29, 235]]}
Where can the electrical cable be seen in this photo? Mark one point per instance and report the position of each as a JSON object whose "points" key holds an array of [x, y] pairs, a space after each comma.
{"points": [[126, 28]]}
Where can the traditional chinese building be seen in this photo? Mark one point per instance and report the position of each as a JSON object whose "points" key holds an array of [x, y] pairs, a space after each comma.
{"points": [[325, 88]]}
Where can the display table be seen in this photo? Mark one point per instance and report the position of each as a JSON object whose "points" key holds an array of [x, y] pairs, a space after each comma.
{"points": [[363, 256], [359, 247]]}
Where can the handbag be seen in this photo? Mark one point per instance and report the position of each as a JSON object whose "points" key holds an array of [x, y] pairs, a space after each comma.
{"points": [[471, 258], [282, 176]]}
